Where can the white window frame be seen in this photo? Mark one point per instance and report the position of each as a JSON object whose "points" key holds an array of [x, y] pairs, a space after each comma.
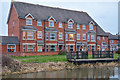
{"points": [[40, 49], [52, 48], [52, 36], [51, 23], [47, 36], [84, 35], [39, 34], [71, 39], [98, 38], [24, 35], [60, 35], [28, 22], [83, 27], [103, 38], [78, 36], [70, 25], [66, 47], [30, 35], [78, 26], [60, 24], [90, 27], [39, 23], [23, 47], [92, 39], [30, 48], [88, 38], [11, 48]]}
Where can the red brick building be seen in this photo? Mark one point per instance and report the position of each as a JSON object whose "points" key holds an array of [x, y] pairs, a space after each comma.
{"points": [[47, 29]]}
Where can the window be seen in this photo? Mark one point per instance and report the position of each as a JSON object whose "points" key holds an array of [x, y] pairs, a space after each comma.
{"points": [[88, 47], [70, 25], [66, 37], [60, 36], [98, 37], [60, 24], [88, 37], [78, 36], [52, 36], [52, 48], [84, 37], [39, 48], [30, 35], [24, 36], [51, 23], [47, 48], [71, 47], [66, 47], [78, 26], [84, 27], [13, 23], [28, 21], [91, 27], [11, 48], [111, 41], [12, 34], [46, 36], [23, 48], [98, 47], [39, 23], [92, 37], [71, 36], [30, 48], [103, 38], [39, 34]]}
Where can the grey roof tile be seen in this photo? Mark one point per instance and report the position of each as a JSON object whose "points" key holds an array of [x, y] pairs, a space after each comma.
{"points": [[9, 40]]}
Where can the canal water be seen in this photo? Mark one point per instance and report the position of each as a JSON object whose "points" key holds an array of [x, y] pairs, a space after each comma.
{"points": [[106, 72]]}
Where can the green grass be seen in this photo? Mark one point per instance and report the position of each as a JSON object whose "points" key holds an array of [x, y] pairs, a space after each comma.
{"points": [[48, 58], [41, 58]]}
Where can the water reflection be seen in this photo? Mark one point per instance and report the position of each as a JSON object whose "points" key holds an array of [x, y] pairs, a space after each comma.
{"points": [[106, 72]]}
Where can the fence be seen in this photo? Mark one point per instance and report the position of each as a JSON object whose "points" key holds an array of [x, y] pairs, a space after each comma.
{"points": [[102, 54], [77, 55], [84, 54]]}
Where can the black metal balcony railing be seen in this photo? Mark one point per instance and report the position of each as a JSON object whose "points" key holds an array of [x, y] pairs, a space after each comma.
{"points": [[102, 54], [77, 55]]}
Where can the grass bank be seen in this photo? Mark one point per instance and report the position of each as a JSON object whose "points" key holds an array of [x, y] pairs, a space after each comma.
{"points": [[47, 58]]}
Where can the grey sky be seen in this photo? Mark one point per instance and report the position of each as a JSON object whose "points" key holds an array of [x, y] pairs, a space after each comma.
{"points": [[104, 13]]}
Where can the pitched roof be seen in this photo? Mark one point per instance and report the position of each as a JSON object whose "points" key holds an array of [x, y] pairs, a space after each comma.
{"points": [[44, 12], [9, 40], [60, 15], [110, 36], [101, 32]]}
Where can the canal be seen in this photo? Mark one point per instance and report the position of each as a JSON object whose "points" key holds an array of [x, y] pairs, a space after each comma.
{"points": [[105, 72]]}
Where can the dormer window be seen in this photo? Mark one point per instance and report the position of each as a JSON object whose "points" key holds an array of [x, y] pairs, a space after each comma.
{"points": [[70, 25], [91, 27], [51, 23], [29, 21], [39, 23]]}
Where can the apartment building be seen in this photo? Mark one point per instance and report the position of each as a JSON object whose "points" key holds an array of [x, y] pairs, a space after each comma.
{"points": [[48, 29]]}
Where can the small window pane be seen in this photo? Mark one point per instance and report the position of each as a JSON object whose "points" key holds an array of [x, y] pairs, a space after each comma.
{"points": [[60, 24], [39, 23], [84, 27], [29, 21]]}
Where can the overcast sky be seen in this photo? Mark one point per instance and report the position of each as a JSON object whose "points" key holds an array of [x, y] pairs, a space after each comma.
{"points": [[104, 12]]}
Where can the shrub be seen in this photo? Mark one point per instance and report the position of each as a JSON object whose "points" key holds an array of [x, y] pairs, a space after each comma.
{"points": [[118, 51], [62, 52]]}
